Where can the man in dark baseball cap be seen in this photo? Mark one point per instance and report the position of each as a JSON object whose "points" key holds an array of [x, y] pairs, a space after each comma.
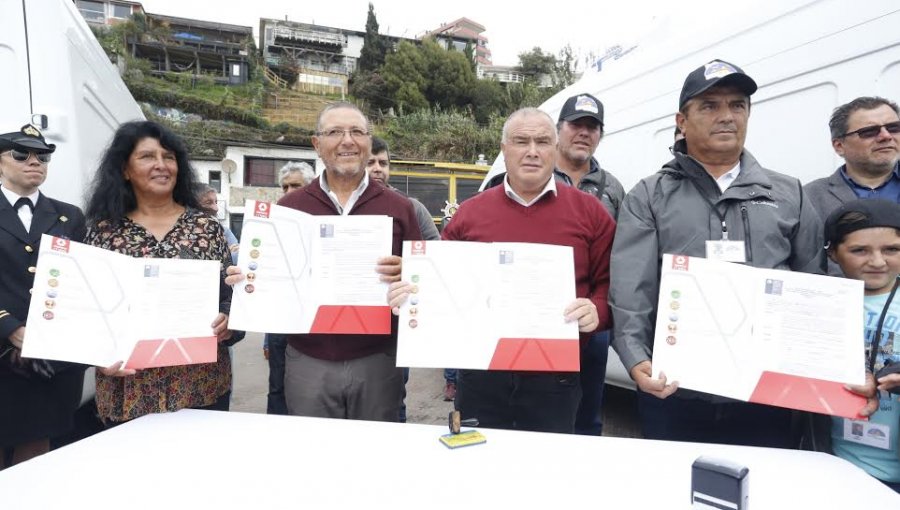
{"points": [[712, 200], [580, 129], [581, 106], [716, 73], [26, 139]]}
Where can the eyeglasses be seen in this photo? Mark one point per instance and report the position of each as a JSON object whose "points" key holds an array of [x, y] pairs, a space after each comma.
{"points": [[43, 157], [337, 134], [873, 131]]}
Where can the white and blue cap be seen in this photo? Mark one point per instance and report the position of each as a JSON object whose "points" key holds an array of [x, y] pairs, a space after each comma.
{"points": [[715, 73], [580, 106]]}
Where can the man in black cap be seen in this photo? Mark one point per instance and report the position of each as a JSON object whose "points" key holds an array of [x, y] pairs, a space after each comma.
{"points": [[712, 200], [38, 398], [580, 129]]}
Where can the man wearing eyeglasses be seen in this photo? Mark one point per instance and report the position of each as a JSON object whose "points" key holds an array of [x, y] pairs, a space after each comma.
{"points": [[713, 200], [865, 133], [347, 376], [38, 397]]}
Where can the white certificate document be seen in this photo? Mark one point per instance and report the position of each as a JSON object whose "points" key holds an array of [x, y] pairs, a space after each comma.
{"points": [[760, 335], [489, 306], [97, 307], [311, 274]]}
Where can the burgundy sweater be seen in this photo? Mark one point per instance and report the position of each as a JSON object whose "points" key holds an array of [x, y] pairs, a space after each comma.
{"points": [[375, 200], [571, 218]]}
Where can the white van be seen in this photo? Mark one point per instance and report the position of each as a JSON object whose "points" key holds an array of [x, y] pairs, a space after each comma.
{"points": [[57, 77], [807, 56]]}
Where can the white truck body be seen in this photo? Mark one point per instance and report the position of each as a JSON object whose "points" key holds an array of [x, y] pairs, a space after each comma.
{"points": [[56, 75]]}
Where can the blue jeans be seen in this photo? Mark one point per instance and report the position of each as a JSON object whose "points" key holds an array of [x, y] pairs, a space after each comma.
{"points": [[588, 420], [450, 375], [277, 344]]}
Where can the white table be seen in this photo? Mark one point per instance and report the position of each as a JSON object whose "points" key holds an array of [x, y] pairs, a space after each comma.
{"points": [[204, 459]]}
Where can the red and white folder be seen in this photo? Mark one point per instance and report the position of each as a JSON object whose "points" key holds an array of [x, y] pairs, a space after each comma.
{"points": [[768, 336], [97, 307], [489, 306], [311, 274]]}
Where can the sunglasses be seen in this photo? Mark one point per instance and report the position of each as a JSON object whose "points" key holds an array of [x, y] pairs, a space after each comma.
{"points": [[43, 157], [873, 131]]}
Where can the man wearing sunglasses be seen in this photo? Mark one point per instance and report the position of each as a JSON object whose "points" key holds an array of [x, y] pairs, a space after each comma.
{"points": [[866, 133], [38, 397]]}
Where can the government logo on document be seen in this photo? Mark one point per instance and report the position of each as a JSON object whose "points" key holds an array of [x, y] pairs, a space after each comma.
{"points": [[680, 262], [60, 244], [262, 209], [417, 248]]}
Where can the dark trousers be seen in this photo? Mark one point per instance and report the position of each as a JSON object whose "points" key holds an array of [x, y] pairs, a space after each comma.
{"points": [[535, 401], [277, 344], [695, 420], [588, 420]]}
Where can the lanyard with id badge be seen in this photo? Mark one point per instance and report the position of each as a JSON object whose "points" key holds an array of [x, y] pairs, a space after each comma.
{"points": [[721, 249], [882, 429]]}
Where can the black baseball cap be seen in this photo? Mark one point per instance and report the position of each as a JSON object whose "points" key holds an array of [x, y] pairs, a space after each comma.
{"points": [[716, 72], [582, 105], [868, 213], [26, 139]]}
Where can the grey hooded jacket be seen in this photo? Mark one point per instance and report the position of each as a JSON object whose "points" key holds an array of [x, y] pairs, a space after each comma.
{"points": [[666, 213]]}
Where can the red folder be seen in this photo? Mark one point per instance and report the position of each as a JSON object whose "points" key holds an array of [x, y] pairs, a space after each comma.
{"points": [[807, 394], [536, 354], [167, 352], [352, 319]]}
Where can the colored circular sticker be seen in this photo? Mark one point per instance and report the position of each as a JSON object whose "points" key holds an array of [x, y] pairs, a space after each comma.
{"points": [[252, 266], [414, 300], [49, 303], [254, 254], [54, 272], [256, 243], [674, 305], [249, 289], [676, 294], [52, 293], [415, 278], [673, 317], [673, 328], [414, 289], [670, 340], [413, 311], [48, 315], [251, 277], [53, 282], [413, 323]]}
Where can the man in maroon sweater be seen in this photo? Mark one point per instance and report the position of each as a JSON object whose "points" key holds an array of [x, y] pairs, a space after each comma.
{"points": [[530, 207], [347, 376]]}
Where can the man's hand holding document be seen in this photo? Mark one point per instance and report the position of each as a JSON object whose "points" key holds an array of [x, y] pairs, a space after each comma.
{"points": [[773, 337]]}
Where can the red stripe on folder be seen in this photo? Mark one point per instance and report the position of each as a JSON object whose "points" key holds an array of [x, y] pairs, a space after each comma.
{"points": [[534, 354], [350, 320], [806, 394], [167, 352]]}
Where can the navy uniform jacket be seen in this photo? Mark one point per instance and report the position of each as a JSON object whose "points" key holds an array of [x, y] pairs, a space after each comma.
{"points": [[19, 253]]}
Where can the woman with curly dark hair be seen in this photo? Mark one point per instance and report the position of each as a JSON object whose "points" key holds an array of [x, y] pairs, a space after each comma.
{"points": [[143, 203]]}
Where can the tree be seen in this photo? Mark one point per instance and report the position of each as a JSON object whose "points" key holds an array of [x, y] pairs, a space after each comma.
{"points": [[371, 88], [374, 49], [404, 76], [469, 52], [449, 76], [565, 68], [488, 99], [535, 63]]}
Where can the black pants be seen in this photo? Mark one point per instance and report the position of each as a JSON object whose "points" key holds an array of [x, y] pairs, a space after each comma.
{"points": [[535, 401], [701, 421]]}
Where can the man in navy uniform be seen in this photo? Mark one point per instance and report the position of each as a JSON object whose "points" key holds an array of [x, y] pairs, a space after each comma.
{"points": [[38, 397]]}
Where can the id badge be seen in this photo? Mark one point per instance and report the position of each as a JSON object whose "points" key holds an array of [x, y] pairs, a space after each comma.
{"points": [[727, 251], [869, 434]]}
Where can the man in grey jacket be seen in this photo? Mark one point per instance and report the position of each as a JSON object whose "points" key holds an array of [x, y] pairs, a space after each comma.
{"points": [[580, 129], [712, 194], [866, 133]]}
